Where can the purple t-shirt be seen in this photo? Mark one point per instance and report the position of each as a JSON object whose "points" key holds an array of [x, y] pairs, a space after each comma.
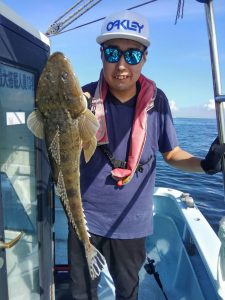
{"points": [[125, 212]]}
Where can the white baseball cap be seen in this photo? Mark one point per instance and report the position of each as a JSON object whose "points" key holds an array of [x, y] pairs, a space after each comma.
{"points": [[125, 25]]}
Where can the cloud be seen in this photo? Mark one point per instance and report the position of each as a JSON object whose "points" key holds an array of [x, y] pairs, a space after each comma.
{"points": [[200, 111], [206, 110], [173, 106], [210, 105]]}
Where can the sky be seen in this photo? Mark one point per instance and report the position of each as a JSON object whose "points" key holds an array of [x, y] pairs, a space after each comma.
{"points": [[178, 57]]}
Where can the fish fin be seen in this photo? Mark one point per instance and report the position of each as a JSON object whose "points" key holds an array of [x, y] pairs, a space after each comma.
{"points": [[88, 125], [87, 95], [35, 124], [60, 187], [61, 192], [55, 148], [85, 223], [57, 191], [96, 261], [89, 148]]}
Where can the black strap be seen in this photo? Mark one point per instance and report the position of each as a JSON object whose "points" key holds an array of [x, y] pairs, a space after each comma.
{"points": [[116, 163], [150, 269]]}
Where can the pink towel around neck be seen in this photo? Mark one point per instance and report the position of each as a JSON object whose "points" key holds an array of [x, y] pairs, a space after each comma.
{"points": [[145, 102]]}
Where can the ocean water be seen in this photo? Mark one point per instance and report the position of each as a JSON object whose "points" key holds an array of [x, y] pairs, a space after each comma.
{"points": [[196, 136]]}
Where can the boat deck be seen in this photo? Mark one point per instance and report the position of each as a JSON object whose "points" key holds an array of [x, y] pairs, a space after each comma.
{"points": [[177, 259], [148, 290]]}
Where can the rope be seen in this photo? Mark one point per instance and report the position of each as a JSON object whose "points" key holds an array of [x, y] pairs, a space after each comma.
{"points": [[100, 19], [76, 4], [80, 11], [180, 10], [139, 5], [57, 27]]}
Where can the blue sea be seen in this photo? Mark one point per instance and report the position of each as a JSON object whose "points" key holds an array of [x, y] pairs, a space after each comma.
{"points": [[195, 136]]}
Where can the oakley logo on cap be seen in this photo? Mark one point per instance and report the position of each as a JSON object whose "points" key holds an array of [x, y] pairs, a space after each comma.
{"points": [[125, 24]]}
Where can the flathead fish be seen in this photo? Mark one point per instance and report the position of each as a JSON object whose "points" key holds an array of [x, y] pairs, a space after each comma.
{"points": [[61, 118]]}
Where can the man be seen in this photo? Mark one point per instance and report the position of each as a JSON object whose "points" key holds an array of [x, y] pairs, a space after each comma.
{"points": [[117, 184]]}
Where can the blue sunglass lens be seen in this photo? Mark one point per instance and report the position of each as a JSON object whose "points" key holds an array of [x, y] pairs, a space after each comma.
{"points": [[131, 56], [112, 55]]}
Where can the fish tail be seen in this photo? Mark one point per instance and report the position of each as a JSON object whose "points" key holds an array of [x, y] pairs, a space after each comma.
{"points": [[95, 260]]}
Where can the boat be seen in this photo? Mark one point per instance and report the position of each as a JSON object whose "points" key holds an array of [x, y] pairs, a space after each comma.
{"points": [[185, 255], [184, 248]]}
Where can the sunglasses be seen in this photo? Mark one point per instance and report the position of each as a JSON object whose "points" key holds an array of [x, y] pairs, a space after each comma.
{"points": [[132, 56]]}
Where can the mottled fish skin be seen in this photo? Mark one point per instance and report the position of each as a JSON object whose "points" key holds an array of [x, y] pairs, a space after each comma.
{"points": [[61, 102], [62, 105], [58, 88]]}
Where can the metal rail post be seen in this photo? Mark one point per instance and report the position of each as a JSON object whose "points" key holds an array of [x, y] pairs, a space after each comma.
{"points": [[219, 98]]}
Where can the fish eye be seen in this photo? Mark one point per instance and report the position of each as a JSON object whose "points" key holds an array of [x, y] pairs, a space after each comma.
{"points": [[64, 75]]}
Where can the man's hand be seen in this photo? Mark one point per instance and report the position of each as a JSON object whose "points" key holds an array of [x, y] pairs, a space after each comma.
{"points": [[212, 163]]}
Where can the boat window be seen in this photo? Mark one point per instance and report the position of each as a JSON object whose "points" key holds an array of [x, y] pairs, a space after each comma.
{"points": [[18, 182]]}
